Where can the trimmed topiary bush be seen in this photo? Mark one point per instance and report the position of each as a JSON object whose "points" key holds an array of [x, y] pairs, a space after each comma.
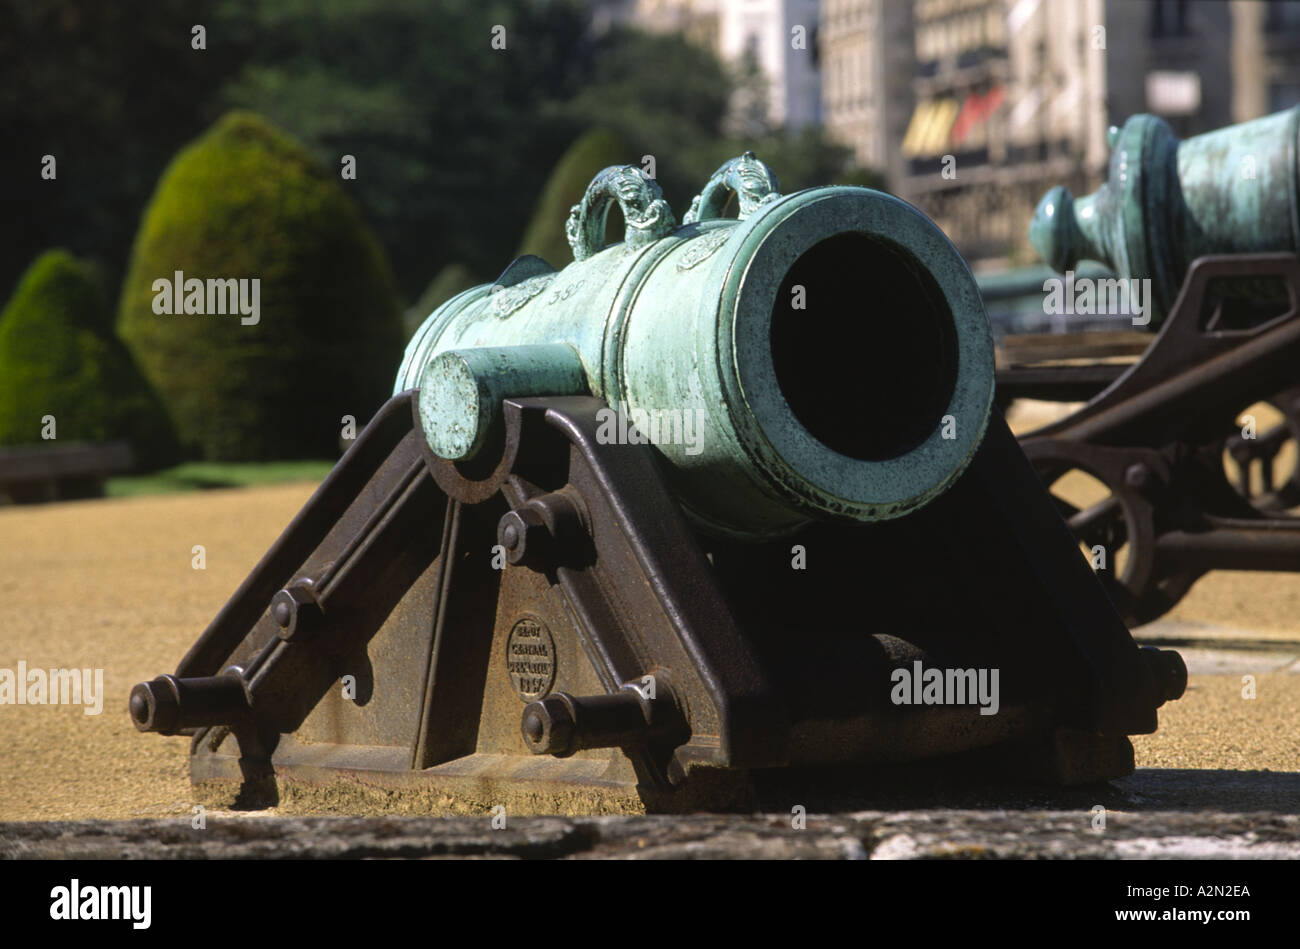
{"points": [[594, 151], [245, 202], [863, 178], [451, 280], [60, 357]]}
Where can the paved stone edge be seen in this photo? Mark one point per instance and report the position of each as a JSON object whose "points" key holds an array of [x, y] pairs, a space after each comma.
{"points": [[906, 835]]}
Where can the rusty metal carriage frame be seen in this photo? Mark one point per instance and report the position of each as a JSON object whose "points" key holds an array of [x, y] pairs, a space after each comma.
{"points": [[759, 672], [1155, 433], [487, 603]]}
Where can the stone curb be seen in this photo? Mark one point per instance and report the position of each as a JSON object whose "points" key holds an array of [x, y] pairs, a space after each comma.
{"points": [[866, 835]]}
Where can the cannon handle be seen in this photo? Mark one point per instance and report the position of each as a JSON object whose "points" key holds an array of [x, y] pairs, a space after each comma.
{"points": [[645, 211], [752, 181]]}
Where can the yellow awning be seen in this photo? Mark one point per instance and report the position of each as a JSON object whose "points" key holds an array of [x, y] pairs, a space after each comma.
{"points": [[927, 133]]}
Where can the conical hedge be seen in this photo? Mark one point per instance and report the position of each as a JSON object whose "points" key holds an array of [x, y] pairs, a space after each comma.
{"points": [[245, 202], [451, 280], [60, 357], [594, 151]]}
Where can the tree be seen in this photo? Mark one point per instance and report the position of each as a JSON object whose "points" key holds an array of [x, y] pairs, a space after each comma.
{"points": [[60, 359], [245, 202], [451, 280], [451, 134], [109, 90]]}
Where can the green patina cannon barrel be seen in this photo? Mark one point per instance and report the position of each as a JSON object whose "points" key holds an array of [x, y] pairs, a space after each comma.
{"points": [[823, 354], [1167, 202]]}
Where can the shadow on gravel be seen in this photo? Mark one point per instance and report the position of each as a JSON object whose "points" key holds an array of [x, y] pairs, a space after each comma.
{"points": [[1190, 789], [1148, 789]]}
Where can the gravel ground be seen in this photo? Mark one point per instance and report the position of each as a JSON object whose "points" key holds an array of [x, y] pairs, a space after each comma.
{"points": [[110, 584]]}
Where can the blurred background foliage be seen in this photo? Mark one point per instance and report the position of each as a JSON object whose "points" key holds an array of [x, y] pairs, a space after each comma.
{"points": [[60, 357], [464, 154], [564, 188], [454, 141], [246, 198]]}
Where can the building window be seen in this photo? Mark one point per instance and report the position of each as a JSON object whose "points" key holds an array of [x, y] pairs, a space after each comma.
{"points": [[1283, 95], [1283, 17], [1173, 93], [1169, 18]]}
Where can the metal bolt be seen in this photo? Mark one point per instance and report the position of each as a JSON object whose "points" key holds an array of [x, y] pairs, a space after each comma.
{"points": [[282, 612], [524, 535], [1137, 475], [296, 611], [547, 726], [169, 705], [1168, 670], [561, 724], [534, 727], [145, 699]]}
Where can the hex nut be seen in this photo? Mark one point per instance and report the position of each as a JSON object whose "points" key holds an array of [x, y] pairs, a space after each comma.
{"points": [[524, 535], [547, 726]]}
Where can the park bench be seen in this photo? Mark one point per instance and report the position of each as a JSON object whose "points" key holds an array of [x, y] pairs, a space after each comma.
{"points": [[30, 474]]}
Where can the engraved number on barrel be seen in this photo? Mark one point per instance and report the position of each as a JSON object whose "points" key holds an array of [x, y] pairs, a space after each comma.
{"points": [[530, 658]]}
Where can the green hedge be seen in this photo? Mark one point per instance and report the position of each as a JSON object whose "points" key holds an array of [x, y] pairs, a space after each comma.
{"points": [[451, 280], [59, 356], [593, 152], [246, 201]]}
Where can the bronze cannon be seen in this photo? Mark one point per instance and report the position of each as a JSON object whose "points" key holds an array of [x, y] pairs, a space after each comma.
{"points": [[720, 507], [1190, 440]]}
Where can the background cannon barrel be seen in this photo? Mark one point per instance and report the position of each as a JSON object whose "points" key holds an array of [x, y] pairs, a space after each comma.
{"points": [[826, 353], [1167, 202]]}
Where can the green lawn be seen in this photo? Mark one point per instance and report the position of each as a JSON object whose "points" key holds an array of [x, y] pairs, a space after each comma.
{"points": [[199, 475]]}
